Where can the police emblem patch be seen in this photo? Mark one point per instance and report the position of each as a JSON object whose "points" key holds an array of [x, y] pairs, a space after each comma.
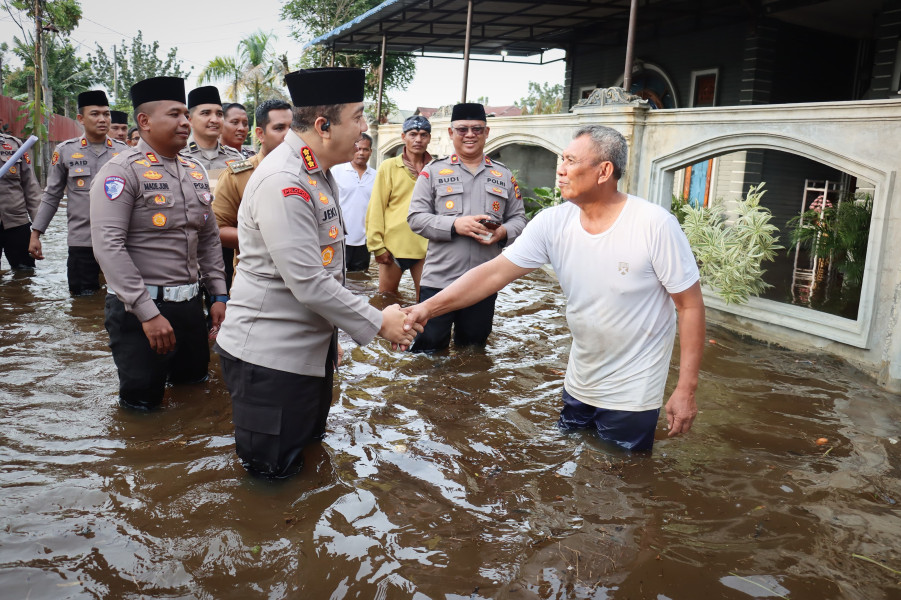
{"points": [[84, 143], [159, 219], [449, 204], [206, 198], [152, 175], [27, 160], [327, 255], [333, 232], [496, 206], [79, 182], [197, 175], [455, 159], [159, 199], [12, 171], [450, 189], [113, 186]]}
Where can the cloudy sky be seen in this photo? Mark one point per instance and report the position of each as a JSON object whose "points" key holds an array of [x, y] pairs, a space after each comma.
{"points": [[204, 33]]}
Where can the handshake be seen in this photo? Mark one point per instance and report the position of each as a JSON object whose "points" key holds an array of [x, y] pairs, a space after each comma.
{"points": [[401, 325]]}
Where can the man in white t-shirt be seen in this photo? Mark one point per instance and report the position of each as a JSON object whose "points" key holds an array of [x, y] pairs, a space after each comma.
{"points": [[626, 268], [355, 180]]}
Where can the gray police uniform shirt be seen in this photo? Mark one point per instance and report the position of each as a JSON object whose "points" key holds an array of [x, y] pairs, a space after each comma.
{"points": [[446, 190], [152, 224], [224, 156], [20, 192], [74, 166], [289, 294]]}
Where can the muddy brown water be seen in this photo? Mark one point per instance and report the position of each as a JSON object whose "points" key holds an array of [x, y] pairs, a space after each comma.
{"points": [[441, 477]]}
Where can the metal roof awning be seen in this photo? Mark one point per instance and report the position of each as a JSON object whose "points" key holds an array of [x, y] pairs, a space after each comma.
{"points": [[511, 27]]}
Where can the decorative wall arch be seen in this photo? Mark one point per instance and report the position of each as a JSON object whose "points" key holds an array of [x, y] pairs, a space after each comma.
{"points": [[856, 332], [659, 71], [522, 138]]}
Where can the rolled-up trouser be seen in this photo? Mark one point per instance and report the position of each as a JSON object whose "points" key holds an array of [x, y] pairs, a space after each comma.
{"points": [[471, 325], [14, 243], [142, 371], [630, 430], [82, 271], [276, 413]]}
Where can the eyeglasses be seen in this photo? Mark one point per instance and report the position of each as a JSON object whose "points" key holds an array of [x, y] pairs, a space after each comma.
{"points": [[476, 129]]}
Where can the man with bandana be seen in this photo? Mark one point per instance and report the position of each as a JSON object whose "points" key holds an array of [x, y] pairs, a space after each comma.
{"points": [[388, 236], [468, 207], [73, 168], [20, 196], [153, 231], [278, 346]]}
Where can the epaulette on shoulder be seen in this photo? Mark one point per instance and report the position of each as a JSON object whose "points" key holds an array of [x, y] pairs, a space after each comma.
{"points": [[192, 146], [240, 166], [499, 163], [434, 160], [119, 143]]}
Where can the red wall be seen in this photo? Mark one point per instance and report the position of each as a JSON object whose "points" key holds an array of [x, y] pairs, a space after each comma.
{"points": [[61, 128]]}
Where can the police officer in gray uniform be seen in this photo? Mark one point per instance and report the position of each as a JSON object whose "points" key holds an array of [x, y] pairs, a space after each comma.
{"points": [[468, 207], [153, 230], [20, 195], [206, 125], [74, 166], [278, 344]]}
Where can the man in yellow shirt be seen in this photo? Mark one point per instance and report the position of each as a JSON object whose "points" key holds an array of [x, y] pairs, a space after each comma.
{"points": [[388, 236]]}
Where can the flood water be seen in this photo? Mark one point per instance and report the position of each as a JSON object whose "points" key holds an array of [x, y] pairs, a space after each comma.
{"points": [[441, 477]]}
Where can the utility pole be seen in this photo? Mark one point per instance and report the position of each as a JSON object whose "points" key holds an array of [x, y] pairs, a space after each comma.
{"points": [[115, 74], [38, 83]]}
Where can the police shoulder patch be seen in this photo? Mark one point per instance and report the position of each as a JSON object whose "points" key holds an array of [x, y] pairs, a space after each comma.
{"points": [[296, 191], [240, 166]]}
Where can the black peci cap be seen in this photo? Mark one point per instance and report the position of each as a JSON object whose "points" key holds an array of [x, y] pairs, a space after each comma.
{"points": [[158, 88], [468, 111], [117, 117], [92, 98], [317, 87], [207, 94]]}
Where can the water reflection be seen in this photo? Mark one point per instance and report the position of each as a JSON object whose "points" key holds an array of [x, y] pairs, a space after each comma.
{"points": [[441, 477]]}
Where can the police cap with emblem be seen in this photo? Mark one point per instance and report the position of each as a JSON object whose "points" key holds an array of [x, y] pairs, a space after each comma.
{"points": [[207, 94], [417, 122], [117, 117], [468, 111], [92, 98], [158, 88], [319, 87]]}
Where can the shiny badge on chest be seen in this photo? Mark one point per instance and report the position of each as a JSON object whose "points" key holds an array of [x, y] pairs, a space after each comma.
{"points": [[323, 198], [446, 172], [327, 255], [159, 199], [449, 204], [12, 171], [159, 219], [197, 175], [77, 155], [152, 175], [496, 206], [79, 183], [333, 232]]}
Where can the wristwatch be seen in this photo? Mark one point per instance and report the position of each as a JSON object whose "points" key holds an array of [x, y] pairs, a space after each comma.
{"points": [[222, 299]]}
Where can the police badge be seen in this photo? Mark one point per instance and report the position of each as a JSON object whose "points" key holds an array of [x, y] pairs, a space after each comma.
{"points": [[113, 186]]}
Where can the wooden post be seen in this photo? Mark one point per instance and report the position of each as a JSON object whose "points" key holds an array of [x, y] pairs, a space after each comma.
{"points": [[466, 49], [378, 103], [630, 46]]}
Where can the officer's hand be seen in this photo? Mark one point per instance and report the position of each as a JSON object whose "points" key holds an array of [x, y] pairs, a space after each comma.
{"points": [[340, 356], [393, 328], [34, 246], [417, 314], [160, 334], [217, 315], [469, 226], [497, 235], [384, 259]]}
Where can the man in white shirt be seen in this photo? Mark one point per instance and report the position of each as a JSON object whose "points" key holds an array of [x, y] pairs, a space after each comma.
{"points": [[626, 268], [355, 180]]}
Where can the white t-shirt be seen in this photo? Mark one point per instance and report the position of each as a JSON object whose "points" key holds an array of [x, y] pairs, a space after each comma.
{"points": [[617, 285], [354, 200]]}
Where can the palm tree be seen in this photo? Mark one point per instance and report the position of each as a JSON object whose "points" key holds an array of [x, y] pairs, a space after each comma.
{"points": [[255, 70]]}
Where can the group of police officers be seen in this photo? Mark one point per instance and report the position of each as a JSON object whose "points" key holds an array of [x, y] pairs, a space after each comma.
{"points": [[146, 215]]}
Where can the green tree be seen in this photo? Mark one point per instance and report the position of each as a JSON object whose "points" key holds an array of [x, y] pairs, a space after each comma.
{"points": [[67, 74], [543, 99], [255, 70], [120, 69], [311, 18]]}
